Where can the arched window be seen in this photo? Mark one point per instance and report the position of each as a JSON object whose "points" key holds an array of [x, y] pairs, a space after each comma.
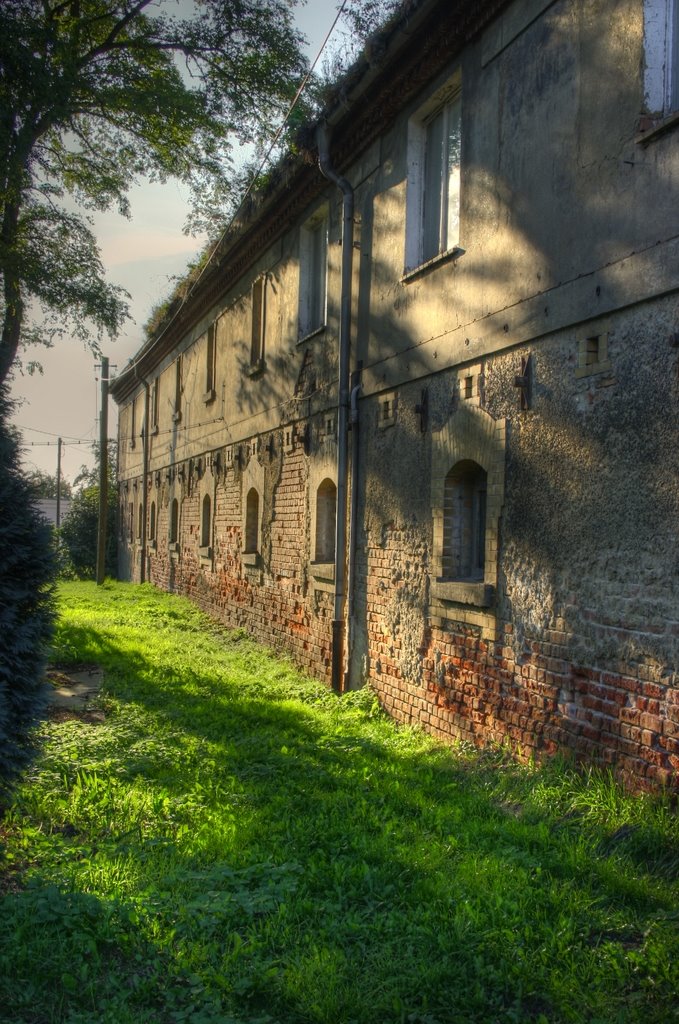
{"points": [[326, 514], [464, 522], [140, 519], [206, 510], [174, 522], [252, 521], [152, 522]]}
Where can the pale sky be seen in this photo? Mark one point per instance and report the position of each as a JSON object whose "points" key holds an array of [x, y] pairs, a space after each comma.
{"points": [[142, 255]]}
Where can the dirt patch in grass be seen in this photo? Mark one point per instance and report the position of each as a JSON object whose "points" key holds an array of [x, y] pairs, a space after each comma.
{"points": [[72, 689], [90, 717]]}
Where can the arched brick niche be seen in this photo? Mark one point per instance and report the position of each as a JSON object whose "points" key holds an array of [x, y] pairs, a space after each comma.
{"points": [[467, 493]]}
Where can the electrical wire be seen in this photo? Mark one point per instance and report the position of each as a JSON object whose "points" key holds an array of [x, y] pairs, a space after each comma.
{"points": [[53, 433], [53, 444]]}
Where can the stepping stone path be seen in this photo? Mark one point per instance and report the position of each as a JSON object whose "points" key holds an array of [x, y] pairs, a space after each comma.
{"points": [[71, 691]]}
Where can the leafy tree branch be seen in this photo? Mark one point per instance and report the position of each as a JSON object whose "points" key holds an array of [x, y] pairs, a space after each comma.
{"points": [[92, 98]]}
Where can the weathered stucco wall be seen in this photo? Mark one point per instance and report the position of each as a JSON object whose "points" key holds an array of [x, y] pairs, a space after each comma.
{"points": [[582, 647], [565, 276]]}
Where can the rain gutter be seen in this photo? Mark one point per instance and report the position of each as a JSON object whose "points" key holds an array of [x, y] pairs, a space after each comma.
{"points": [[339, 613]]}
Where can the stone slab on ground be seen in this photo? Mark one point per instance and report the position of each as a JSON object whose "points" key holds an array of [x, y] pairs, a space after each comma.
{"points": [[73, 689]]}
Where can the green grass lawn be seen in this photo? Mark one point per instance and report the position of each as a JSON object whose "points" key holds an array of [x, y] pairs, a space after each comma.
{"points": [[234, 843]]}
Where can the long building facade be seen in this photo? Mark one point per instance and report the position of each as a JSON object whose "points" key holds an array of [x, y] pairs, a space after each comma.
{"points": [[417, 420]]}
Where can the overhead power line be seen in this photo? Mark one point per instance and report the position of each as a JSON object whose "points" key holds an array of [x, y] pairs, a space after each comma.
{"points": [[54, 444], [52, 433]]}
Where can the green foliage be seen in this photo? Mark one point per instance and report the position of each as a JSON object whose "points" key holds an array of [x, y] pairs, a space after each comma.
{"points": [[26, 606], [95, 97], [235, 843], [78, 536], [79, 532], [45, 484]]}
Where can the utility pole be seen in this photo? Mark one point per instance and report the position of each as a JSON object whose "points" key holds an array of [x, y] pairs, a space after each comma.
{"points": [[103, 473], [59, 443]]}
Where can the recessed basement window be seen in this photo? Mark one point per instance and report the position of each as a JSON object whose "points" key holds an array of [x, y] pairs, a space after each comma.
{"points": [[387, 410], [592, 353]]}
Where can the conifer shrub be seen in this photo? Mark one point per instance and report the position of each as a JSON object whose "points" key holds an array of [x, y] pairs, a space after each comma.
{"points": [[27, 571]]}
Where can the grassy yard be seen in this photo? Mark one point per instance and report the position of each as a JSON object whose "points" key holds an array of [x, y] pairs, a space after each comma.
{"points": [[234, 843]]}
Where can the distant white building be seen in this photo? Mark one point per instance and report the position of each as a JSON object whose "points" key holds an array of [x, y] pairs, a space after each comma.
{"points": [[48, 508]]}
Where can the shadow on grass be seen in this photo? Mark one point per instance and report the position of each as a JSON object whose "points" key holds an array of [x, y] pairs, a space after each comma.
{"points": [[287, 861]]}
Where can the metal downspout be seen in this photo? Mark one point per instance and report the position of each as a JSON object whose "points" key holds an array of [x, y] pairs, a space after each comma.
{"points": [[339, 625], [144, 473], [353, 509]]}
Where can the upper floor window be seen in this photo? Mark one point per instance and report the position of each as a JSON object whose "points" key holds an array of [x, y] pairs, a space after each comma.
{"points": [[178, 389], [661, 46], [210, 363], [133, 422], [313, 272], [441, 199], [433, 191], [258, 323], [155, 402]]}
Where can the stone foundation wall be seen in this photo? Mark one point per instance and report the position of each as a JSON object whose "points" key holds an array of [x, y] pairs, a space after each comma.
{"points": [[273, 597], [579, 650], [570, 643]]}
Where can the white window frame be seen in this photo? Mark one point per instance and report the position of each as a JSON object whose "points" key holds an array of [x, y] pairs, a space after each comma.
{"points": [[661, 52], [448, 102], [313, 274]]}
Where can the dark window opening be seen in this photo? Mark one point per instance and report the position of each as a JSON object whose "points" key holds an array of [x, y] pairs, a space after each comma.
{"points": [[464, 522], [326, 519], [252, 521], [258, 322], [174, 521], [206, 512]]}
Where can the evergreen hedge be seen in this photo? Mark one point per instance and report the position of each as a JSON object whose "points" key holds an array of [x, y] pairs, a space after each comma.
{"points": [[27, 573]]}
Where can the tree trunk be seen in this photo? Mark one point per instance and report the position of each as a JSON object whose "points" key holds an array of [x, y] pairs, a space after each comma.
{"points": [[11, 328]]}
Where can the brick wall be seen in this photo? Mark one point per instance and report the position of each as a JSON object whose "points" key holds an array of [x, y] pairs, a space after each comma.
{"points": [[539, 703], [576, 652], [274, 599]]}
